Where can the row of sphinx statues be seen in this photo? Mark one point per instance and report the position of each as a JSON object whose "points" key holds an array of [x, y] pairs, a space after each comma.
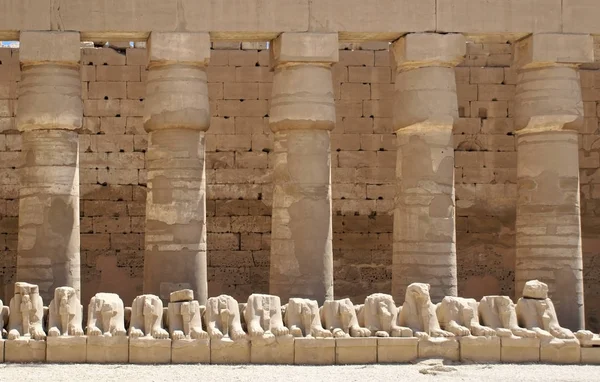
{"points": [[263, 316]]}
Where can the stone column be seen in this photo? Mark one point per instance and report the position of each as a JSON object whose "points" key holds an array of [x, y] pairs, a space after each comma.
{"points": [[50, 111], [425, 108], [176, 117], [548, 112], [301, 117]]}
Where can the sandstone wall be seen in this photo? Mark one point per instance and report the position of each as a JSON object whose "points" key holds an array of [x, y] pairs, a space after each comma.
{"points": [[113, 177]]}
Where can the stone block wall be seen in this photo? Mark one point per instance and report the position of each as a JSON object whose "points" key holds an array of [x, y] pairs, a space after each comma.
{"points": [[113, 176]]}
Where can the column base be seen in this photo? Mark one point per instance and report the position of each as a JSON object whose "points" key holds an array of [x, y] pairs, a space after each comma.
{"points": [[101, 349], [66, 349], [190, 351], [519, 350], [350, 351], [279, 350], [314, 351], [562, 351], [225, 351], [25, 350], [397, 349], [149, 350], [479, 349]]}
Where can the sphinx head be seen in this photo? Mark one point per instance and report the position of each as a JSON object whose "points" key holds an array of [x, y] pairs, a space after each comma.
{"points": [[535, 289]]}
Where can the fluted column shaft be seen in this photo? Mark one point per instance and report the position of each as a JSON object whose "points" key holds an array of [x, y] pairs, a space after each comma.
{"points": [[548, 112], [176, 117], [50, 111], [301, 117], [425, 108]]}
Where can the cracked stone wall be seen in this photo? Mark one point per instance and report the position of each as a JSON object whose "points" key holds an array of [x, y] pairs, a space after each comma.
{"points": [[239, 164]]}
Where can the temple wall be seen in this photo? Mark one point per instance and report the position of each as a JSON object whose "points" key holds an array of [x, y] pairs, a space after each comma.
{"points": [[239, 163]]}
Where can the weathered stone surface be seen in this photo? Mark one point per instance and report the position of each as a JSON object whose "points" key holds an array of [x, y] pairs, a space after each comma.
{"points": [[190, 351], [104, 349], [148, 350], [49, 47], [355, 351], [66, 349], [178, 48], [314, 351], [305, 47], [543, 49], [397, 350], [520, 350], [429, 49], [480, 349], [25, 350]]}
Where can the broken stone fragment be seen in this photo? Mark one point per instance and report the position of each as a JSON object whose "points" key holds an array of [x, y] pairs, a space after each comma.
{"points": [[181, 295]]}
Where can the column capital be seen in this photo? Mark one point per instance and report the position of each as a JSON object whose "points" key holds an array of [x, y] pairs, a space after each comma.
{"points": [[418, 50], [553, 49], [38, 47], [178, 48], [307, 48]]}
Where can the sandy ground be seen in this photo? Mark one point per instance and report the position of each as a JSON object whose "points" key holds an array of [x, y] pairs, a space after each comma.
{"points": [[424, 371]]}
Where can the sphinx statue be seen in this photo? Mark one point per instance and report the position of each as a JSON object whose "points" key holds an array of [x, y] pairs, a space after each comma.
{"points": [[339, 317], [4, 313], [499, 313], [223, 319], [185, 317], [264, 318], [27, 313], [65, 313], [147, 318], [419, 313], [106, 315], [380, 316], [303, 318], [460, 316]]}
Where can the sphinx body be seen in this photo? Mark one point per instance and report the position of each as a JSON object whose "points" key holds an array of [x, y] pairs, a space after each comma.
{"points": [[106, 315], [27, 313], [419, 313], [65, 313], [302, 317], [147, 317], [223, 319], [264, 318], [380, 316], [460, 316], [499, 313], [339, 317], [4, 313], [185, 317]]}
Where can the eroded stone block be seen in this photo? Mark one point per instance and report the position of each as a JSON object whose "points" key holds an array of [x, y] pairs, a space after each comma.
{"points": [[314, 351], [439, 347], [226, 351], [190, 351], [479, 349], [25, 350], [277, 350], [66, 349], [560, 351], [104, 349], [519, 350], [397, 350], [590, 355], [149, 350], [355, 351]]}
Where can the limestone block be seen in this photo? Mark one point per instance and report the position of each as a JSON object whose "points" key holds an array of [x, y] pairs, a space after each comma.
{"points": [[108, 349], [425, 49], [227, 351], [18, 15], [355, 351], [23, 350], [2, 342], [439, 347], [559, 350], [38, 47], [581, 16], [274, 350], [149, 350], [190, 351], [397, 350], [305, 47], [314, 351], [590, 355], [66, 349], [479, 349], [519, 350], [181, 48], [547, 48]]}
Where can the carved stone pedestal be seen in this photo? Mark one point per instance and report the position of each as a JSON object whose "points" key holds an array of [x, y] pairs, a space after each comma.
{"points": [[2, 350], [66, 349], [277, 351], [439, 347], [226, 351], [149, 350], [25, 350], [102, 349], [590, 355], [355, 351], [519, 350], [560, 351], [397, 349], [190, 351], [479, 349], [314, 351]]}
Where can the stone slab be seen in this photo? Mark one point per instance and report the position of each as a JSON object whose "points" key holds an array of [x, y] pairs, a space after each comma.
{"points": [[581, 16], [305, 47], [66, 349], [226, 351], [38, 47], [439, 347], [146, 350], [183, 48], [590, 355], [519, 350], [419, 49], [397, 349], [562, 351], [314, 351], [480, 349], [278, 351], [101, 349], [190, 351], [24, 350], [548, 48], [355, 351], [17, 15]]}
